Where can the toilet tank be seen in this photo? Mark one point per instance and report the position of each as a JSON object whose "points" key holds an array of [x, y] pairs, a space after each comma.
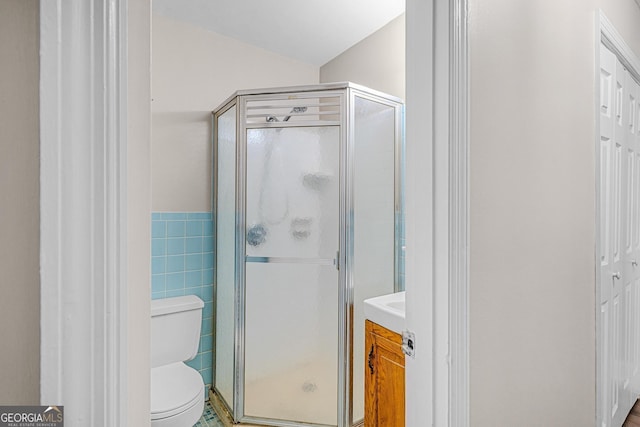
{"points": [[175, 329]]}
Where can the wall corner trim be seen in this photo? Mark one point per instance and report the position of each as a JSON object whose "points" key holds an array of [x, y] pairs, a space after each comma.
{"points": [[459, 215], [83, 253]]}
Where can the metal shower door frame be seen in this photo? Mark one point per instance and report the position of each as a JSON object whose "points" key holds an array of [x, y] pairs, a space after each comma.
{"points": [[241, 202], [353, 92], [346, 92], [229, 104]]}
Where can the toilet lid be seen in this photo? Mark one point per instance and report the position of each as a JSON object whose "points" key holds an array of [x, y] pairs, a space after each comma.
{"points": [[174, 388]]}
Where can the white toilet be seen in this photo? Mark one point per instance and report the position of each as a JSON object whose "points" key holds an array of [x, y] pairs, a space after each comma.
{"points": [[177, 390]]}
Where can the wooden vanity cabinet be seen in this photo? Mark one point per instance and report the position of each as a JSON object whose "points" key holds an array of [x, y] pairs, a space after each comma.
{"points": [[384, 377]]}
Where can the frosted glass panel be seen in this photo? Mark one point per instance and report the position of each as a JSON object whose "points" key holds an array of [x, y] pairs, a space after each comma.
{"points": [[291, 342], [291, 325], [374, 221], [225, 254], [292, 192]]}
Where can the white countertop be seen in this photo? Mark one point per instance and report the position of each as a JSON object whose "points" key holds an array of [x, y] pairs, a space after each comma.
{"points": [[387, 310]]}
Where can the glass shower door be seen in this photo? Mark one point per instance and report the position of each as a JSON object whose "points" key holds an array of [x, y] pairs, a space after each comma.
{"points": [[291, 277]]}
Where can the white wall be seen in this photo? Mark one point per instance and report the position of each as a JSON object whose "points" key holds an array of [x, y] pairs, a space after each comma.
{"points": [[532, 312], [20, 208], [195, 70], [377, 61]]}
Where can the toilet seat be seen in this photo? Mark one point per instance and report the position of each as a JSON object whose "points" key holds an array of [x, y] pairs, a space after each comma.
{"points": [[175, 388]]}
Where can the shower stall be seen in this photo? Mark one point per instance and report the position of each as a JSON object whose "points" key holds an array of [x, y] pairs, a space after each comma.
{"points": [[308, 224]]}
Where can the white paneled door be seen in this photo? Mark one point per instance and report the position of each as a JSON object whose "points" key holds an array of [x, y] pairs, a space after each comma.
{"points": [[619, 343]]}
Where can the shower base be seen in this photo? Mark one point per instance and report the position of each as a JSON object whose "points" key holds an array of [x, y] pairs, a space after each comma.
{"points": [[304, 394]]}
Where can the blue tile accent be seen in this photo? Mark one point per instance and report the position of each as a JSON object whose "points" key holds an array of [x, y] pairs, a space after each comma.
{"points": [[173, 216], [158, 265], [197, 291], [207, 260], [207, 375], [175, 281], [208, 228], [206, 343], [193, 245], [194, 228], [193, 279], [208, 309], [192, 363], [158, 295], [158, 283], [207, 326], [175, 293], [208, 244], [175, 263], [175, 246], [176, 228], [208, 292], [182, 264], [158, 229], [207, 358], [207, 276], [199, 215], [193, 262], [158, 247], [196, 363]]}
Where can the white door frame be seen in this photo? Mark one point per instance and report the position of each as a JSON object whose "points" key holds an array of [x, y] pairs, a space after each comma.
{"points": [[605, 34], [83, 210], [84, 185], [437, 213]]}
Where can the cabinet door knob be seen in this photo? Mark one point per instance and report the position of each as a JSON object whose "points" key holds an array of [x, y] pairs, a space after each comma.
{"points": [[370, 360]]}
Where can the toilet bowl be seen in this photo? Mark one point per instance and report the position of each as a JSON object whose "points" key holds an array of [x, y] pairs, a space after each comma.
{"points": [[177, 390]]}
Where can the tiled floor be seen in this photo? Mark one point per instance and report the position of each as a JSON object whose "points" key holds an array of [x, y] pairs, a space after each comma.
{"points": [[209, 418]]}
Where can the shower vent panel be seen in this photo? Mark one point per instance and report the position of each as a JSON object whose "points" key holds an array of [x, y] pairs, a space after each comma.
{"points": [[294, 110]]}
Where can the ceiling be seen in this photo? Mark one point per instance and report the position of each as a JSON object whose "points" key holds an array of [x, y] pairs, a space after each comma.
{"points": [[313, 31]]}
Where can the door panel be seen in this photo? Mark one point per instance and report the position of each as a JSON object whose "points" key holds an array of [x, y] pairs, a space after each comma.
{"points": [[606, 388], [291, 244], [291, 362], [619, 271], [619, 212]]}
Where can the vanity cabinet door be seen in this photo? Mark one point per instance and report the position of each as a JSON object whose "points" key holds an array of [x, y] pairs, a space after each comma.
{"points": [[384, 377]]}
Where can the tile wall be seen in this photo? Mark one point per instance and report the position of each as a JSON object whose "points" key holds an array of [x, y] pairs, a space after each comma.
{"points": [[182, 264]]}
